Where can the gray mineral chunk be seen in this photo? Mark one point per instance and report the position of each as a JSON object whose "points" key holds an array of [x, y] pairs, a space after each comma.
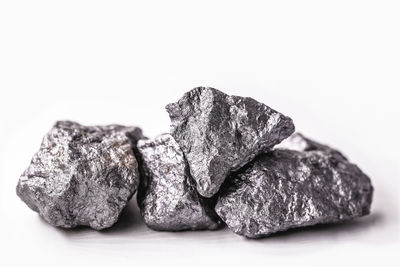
{"points": [[167, 196], [82, 175], [219, 133], [299, 142], [284, 189]]}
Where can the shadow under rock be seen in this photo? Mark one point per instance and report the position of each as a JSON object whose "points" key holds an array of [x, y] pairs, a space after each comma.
{"points": [[326, 231], [129, 220], [132, 222]]}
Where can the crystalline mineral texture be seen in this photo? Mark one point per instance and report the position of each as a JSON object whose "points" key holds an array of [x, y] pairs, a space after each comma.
{"points": [[167, 196], [284, 189], [219, 133], [299, 142], [82, 175]]}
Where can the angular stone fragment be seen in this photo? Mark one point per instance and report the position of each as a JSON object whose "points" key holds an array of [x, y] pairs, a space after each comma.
{"points": [[292, 188], [299, 142], [82, 175], [167, 195], [219, 133]]}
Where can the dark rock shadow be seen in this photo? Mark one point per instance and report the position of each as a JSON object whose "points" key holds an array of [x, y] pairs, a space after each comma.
{"points": [[130, 220], [131, 227], [327, 231]]}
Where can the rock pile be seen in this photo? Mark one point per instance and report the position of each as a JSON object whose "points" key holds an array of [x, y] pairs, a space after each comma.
{"points": [[228, 159]]}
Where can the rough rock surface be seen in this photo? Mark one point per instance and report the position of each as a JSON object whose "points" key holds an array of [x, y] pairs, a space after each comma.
{"points": [[219, 133], [82, 175], [167, 195], [299, 142], [284, 189]]}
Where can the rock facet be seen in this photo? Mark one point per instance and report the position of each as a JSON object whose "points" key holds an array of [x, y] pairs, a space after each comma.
{"points": [[219, 133], [299, 142], [285, 189], [82, 175], [167, 195]]}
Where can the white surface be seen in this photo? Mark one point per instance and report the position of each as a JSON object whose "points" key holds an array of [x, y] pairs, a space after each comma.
{"points": [[333, 67]]}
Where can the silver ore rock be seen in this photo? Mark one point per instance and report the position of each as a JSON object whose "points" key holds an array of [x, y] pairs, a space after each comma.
{"points": [[167, 195], [299, 142], [82, 175], [286, 188], [219, 133]]}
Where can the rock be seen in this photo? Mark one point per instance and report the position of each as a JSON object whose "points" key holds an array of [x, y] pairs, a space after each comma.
{"points": [[285, 189], [167, 196], [299, 142], [82, 175], [219, 133]]}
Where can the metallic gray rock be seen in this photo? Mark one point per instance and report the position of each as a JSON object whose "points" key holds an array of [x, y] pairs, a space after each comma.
{"points": [[82, 175], [285, 189], [167, 195], [219, 133], [299, 142]]}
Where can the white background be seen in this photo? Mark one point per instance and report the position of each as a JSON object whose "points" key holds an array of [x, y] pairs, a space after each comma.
{"points": [[333, 66]]}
